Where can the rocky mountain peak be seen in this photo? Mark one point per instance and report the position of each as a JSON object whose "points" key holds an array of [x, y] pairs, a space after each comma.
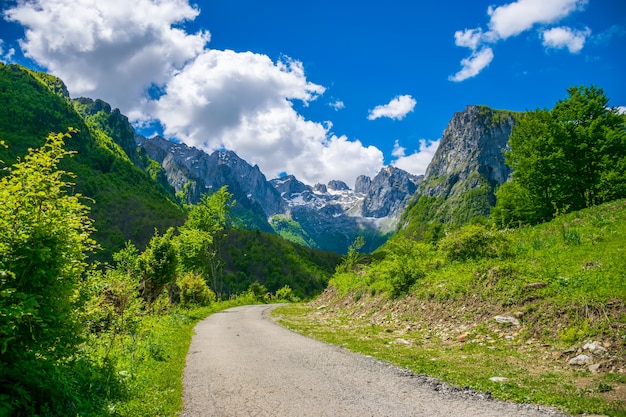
{"points": [[388, 193], [473, 141]]}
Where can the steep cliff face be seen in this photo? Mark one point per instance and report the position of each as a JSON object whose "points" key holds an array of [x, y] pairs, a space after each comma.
{"points": [[473, 142], [460, 180], [194, 172], [387, 194]]}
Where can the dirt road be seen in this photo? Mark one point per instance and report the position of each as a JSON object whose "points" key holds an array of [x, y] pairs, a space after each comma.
{"points": [[241, 363]]}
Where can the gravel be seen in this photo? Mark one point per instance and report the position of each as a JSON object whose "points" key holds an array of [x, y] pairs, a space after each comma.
{"points": [[241, 363]]}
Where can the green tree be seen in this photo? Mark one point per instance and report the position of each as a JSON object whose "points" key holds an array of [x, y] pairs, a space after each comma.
{"points": [[157, 265], [567, 158], [199, 235], [44, 235], [353, 256]]}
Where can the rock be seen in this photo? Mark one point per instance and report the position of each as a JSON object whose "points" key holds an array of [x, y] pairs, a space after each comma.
{"points": [[338, 185], [498, 379], [594, 347], [595, 368], [469, 156], [362, 184], [462, 338], [389, 192], [580, 360], [507, 319], [518, 314]]}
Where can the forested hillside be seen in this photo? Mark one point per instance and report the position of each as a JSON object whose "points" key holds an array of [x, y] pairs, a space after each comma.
{"points": [[124, 201], [81, 337]]}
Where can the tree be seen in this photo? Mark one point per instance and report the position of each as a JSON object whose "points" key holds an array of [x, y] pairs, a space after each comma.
{"points": [[567, 158], [157, 265], [44, 235], [207, 220]]}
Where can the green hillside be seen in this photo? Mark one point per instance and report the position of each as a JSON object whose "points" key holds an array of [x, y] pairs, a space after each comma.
{"points": [[124, 201], [556, 288]]}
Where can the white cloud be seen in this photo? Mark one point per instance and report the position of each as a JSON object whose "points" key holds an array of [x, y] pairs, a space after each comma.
{"points": [[417, 162], [118, 51], [397, 108], [517, 17], [337, 105], [5, 56], [472, 66], [564, 37], [621, 109], [469, 38], [512, 19], [113, 50]]}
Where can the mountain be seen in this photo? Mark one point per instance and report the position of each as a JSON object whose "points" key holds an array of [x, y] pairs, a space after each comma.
{"points": [[467, 167], [326, 216], [192, 173]]}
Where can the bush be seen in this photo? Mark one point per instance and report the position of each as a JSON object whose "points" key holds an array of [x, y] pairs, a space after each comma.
{"points": [[194, 290], [285, 294], [474, 242]]}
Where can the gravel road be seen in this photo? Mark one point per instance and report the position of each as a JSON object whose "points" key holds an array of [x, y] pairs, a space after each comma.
{"points": [[241, 363]]}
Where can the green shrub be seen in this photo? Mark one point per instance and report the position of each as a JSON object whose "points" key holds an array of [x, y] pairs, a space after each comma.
{"points": [[285, 294], [194, 290], [475, 241]]}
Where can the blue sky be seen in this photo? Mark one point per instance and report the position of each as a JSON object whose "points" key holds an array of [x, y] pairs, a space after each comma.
{"points": [[322, 90]]}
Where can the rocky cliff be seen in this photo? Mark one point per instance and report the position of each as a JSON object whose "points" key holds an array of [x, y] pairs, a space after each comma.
{"points": [[469, 164], [193, 173], [328, 216]]}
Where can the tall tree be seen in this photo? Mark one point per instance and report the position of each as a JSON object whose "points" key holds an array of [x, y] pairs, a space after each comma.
{"points": [[567, 158], [199, 236]]}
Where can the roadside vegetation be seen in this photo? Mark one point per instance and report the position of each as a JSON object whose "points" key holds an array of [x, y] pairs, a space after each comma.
{"points": [[530, 304], [93, 339]]}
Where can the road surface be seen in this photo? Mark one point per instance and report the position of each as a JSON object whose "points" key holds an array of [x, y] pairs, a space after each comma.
{"points": [[241, 363]]}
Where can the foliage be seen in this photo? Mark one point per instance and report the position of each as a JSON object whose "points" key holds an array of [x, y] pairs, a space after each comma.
{"points": [[247, 256], [474, 241], [564, 281], [564, 159], [352, 258], [285, 294], [45, 235], [157, 265], [126, 204], [194, 290]]}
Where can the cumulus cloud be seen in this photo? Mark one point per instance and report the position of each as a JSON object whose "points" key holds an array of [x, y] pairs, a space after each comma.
{"points": [[564, 37], [417, 162], [472, 66], [396, 109], [337, 105], [5, 55], [114, 49], [138, 56], [621, 109], [512, 19]]}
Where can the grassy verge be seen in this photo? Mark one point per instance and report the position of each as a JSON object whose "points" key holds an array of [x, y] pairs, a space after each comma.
{"points": [[561, 286], [146, 368]]}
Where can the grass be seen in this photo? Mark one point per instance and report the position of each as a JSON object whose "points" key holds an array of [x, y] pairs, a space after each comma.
{"points": [[149, 364], [564, 280]]}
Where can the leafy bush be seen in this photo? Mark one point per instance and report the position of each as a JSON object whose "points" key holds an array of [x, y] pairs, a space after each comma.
{"points": [[194, 290], [474, 241], [285, 294], [45, 232]]}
